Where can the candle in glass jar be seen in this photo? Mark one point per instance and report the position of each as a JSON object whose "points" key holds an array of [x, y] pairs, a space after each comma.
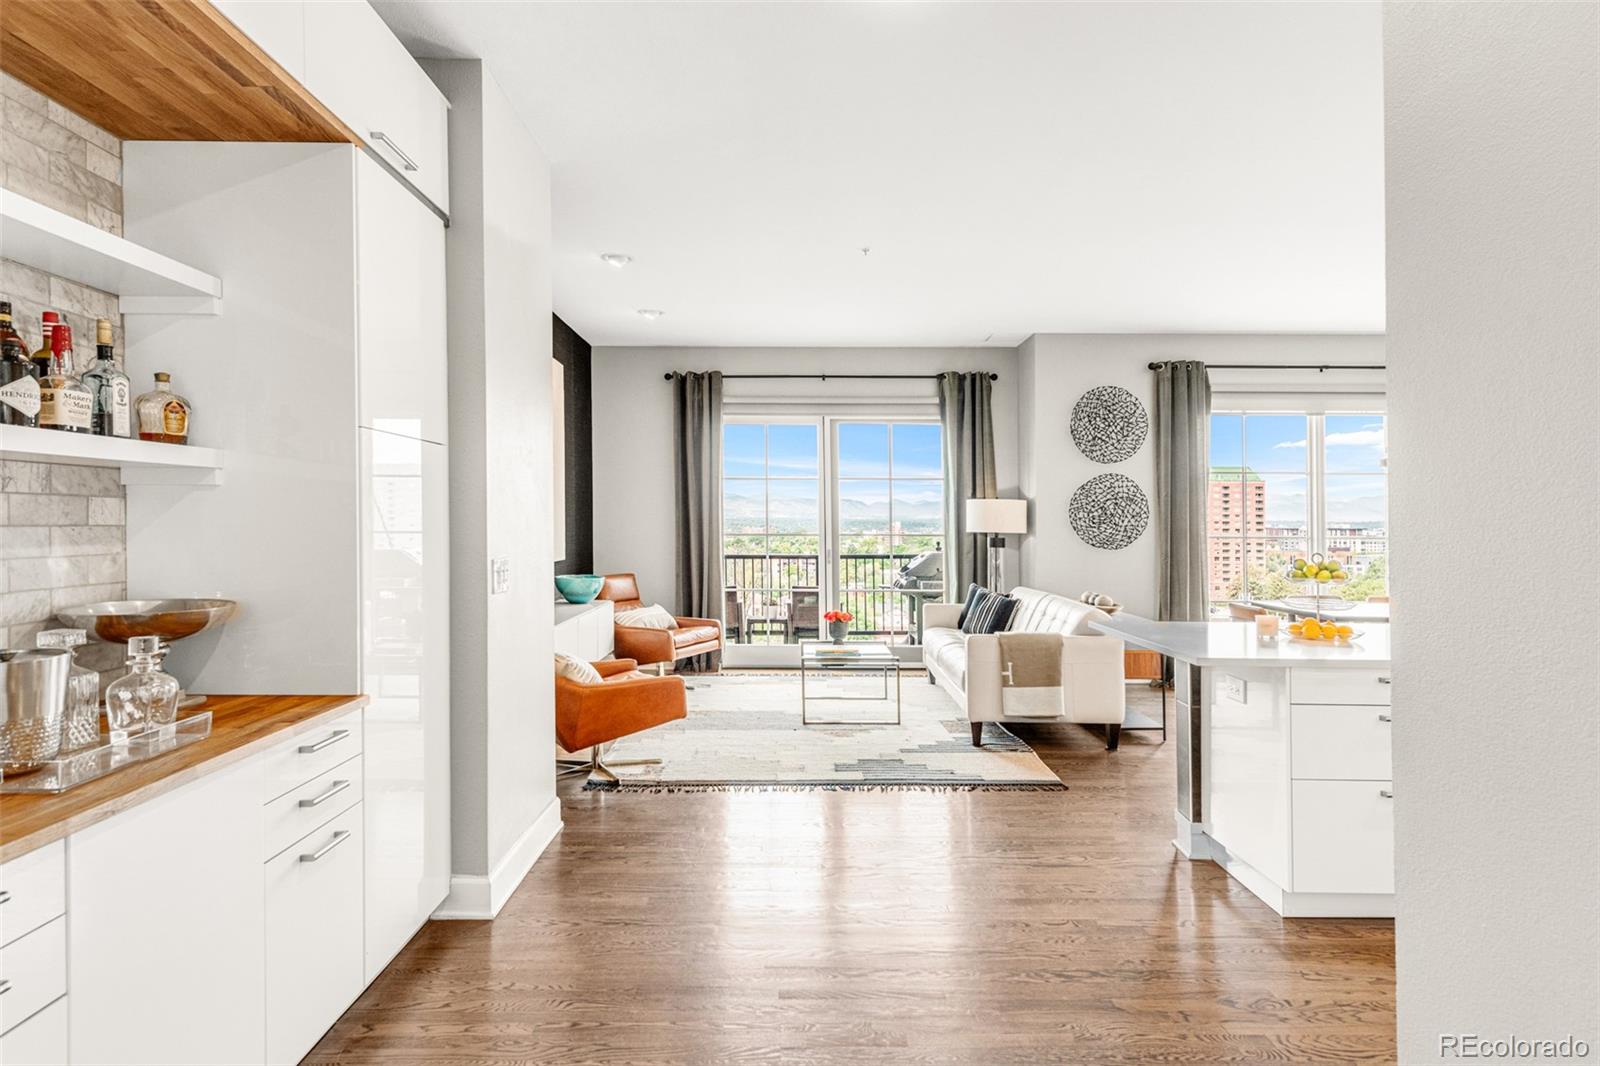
{"points": [[1266, 626]]}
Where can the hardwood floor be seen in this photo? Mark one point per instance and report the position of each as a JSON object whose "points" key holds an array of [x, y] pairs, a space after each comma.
{"points": [[884, 928]]}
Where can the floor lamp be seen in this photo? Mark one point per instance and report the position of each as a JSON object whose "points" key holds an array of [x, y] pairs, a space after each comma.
{"points": [[997, 518]]}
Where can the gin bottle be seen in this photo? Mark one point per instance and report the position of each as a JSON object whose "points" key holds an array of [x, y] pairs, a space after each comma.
{"points": [[112, 392]]}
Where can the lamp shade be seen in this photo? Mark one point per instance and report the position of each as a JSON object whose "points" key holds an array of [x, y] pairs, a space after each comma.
{"points": [[997, 516]]}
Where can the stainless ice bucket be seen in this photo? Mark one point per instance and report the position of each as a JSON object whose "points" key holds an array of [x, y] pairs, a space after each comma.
{"points": [[33, 696]]}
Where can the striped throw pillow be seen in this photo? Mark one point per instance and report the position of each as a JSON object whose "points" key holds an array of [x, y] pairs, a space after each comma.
{"points": [[991, 614]]}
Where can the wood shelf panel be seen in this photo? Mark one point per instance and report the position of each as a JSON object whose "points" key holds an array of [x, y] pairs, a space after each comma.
{"points": [[159, 70]]}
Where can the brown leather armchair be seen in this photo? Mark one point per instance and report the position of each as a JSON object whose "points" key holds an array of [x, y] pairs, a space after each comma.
{"points": [[690, 637], [625, 702]]}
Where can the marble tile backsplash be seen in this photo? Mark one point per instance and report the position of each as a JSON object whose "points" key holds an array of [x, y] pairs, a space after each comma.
{"points": [[63, 530]]}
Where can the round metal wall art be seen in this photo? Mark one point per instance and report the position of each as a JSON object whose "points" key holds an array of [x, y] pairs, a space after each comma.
{"points": [[1109, 424], [1109, 511]]}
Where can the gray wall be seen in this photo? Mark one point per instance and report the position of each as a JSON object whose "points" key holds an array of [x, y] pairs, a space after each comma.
{"points": [[63, 536], [502, 758], [1492, 140], [633, 430], [1056, 369]]}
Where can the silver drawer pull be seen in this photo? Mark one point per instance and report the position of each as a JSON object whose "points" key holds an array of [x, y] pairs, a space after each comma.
{"points": [[338, 838], [1385, 718], [379, 135], [1386, 794], [5, 985], [5, 895], [1384, 681], [333, 790], [334, 738]]}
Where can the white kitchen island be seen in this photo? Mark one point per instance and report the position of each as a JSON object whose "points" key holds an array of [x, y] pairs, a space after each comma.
{"points": [[1283, 762]]}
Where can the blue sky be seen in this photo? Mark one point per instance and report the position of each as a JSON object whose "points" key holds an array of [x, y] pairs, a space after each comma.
{"points": [[869, 454], [1274, 446]]}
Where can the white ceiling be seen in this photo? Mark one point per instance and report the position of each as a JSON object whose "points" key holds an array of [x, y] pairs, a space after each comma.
{"points": [[1014, 168]]}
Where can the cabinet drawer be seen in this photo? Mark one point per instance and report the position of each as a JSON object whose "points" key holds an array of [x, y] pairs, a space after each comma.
{"points": [[309, 754], [39, 1041], [304, 808], [33, 890], [314, 935], [33, 971], [1343, 836], [1364, 687], [1348, 742]]}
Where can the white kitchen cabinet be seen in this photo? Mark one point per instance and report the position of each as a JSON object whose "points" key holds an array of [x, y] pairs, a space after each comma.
{"points": [[300, 810], [1344, 836], [164, 928], [33, 890], [333, 534], [39, 1041], [33, 973], [406, 677], [313, 935], [278, 27], [401, 326], [1340, 743], [357, 67]]}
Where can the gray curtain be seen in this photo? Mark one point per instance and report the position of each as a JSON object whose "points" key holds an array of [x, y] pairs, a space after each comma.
{"points": [[697, 461], [1183, 419], [968, 419]]}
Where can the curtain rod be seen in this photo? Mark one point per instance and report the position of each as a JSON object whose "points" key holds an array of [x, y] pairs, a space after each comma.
{"points": [[842, 377], [1318, 367]]}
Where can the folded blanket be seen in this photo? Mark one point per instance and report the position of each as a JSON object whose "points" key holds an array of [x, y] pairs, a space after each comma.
{"points": [[1030, 675]]}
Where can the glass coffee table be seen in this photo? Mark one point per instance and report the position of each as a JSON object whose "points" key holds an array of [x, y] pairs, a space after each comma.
{"points": [[822, 658]]}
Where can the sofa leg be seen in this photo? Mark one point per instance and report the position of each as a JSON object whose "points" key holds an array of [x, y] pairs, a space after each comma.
{"points": [[1113, 734], [931, 679], [977, 734]]}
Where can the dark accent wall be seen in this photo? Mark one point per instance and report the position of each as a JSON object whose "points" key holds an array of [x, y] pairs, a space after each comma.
{"points": [[573, 353]]}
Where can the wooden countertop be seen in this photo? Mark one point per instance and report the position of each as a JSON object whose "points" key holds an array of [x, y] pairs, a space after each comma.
{"points": [[240, 727]]}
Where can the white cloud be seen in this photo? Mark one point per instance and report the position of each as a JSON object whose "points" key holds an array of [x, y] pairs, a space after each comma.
{"points": [[1371, 435]]}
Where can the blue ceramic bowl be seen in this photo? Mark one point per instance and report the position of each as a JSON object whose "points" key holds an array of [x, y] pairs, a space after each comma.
{"points": [[579, 588]]}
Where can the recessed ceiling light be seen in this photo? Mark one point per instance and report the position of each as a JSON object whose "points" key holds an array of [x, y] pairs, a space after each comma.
{"points": [[616, 260], [650, 312]]}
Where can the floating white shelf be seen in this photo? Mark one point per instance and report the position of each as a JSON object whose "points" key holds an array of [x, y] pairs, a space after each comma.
{"points": [[142, 462], [147, 281]]}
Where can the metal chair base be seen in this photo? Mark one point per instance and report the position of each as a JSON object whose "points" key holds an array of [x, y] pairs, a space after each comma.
{"points": [[598, 767]]}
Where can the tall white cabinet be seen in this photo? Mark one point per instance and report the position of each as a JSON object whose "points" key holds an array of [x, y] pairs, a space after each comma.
{"points": [[323, 380]]}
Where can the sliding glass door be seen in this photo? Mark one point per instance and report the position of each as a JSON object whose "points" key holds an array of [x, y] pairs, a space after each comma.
{"points": [[820, 513]]}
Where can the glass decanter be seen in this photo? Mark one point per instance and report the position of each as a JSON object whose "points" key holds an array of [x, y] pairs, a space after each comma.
{"points": [[143, 698], [80, 725]]}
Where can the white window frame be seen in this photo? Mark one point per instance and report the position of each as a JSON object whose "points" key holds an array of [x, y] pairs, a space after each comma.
{"points": [[1315, 407]]}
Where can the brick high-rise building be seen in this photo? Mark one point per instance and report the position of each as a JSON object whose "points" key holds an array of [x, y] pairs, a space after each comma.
{"points": [[1236, 506]]}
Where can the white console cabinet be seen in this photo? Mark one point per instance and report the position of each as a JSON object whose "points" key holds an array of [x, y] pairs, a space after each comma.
{"points": [[585, 630]]}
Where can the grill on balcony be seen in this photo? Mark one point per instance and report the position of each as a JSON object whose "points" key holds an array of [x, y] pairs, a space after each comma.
{"points": [[777, 599]]}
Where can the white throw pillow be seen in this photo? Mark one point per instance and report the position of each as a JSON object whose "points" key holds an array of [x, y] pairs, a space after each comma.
{"points": [[576, 670], [654, 616]]}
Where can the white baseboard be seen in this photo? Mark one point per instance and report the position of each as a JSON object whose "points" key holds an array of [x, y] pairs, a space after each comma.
{"points": [[1303, 904], [474, 897]]}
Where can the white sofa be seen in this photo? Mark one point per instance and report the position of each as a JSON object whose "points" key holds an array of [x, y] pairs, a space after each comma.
{"points": [[968, 666]]}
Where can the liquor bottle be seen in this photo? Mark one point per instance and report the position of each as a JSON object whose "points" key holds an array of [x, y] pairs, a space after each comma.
{"points": [[64, 403], [112, 392], [19, 391], [145, 697], [162, 414], [41, 358]]}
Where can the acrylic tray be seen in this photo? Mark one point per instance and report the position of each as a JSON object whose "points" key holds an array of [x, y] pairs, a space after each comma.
{"points": [[75, 768]]}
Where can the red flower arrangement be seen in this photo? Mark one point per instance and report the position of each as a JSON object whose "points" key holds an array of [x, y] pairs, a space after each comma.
{"points": [[839, 616]]}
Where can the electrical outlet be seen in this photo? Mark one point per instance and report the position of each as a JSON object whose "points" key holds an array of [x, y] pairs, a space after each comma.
{"points": [[1233, 688], [499, 576]]}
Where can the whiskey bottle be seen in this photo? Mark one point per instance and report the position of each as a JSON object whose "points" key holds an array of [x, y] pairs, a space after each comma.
{"points": [[162, 414], [64, 403], [19, 391], [112, 392], [41, 358]]}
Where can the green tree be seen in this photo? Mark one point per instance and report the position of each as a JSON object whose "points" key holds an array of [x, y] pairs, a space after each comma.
{"points": [[1374, 581]]}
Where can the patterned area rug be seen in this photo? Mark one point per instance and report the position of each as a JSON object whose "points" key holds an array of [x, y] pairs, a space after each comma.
{"points": [[744, 732]]}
